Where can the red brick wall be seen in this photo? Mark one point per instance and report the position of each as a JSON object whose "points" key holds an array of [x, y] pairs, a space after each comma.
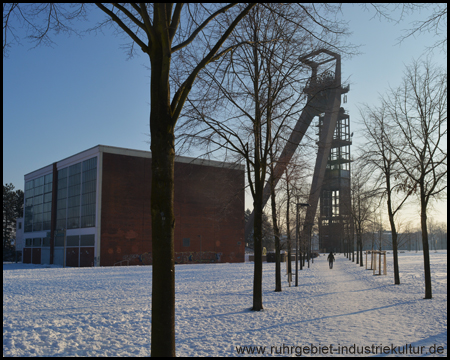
{"points": [[209, 210]]}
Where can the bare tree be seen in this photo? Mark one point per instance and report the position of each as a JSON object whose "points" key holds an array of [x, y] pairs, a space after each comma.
{"points": [[249, 104], [404, 233], [160, 31], [419, 110], [289, 192], [437, 233], [258, 84], [435, 22], [363, 202], [380, 133]]}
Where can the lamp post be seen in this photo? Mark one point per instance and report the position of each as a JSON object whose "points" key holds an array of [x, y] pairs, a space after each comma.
{"points": [[201, 256], [297, 241]]}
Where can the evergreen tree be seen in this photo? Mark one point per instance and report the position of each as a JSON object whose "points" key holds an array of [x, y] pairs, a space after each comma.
{"points": [[12, 209]]}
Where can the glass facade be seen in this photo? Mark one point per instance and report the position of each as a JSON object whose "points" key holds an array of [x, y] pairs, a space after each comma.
{"points": [[77, 195], [75, 202], [88, 192], [38, 203], [73, 198], [61, 199]]}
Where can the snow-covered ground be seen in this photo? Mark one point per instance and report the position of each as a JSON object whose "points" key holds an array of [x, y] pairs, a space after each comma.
{"points": [[51, 311]]}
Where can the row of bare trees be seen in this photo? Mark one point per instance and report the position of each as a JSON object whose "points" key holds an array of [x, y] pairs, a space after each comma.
{"points": [[406, 148], [409, 234], [249, 104]]}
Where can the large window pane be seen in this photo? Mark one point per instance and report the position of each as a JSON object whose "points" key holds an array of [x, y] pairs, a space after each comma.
{"points": [[87, 240], [74, 201], [46, 242], [88, 199], [29, 193], [39, 190], [48, 198], [62, 174], [37, 209], [74, 190], [90, 164], [29, 185], [73, 240], [38, 199], [39, 181], [59, 240], [47, 207], [48, 188], [77, 195], [73, 212], [88, 221], [73, 223], [61, 213]]}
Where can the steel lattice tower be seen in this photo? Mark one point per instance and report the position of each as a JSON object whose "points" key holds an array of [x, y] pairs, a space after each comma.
{"points": [[335, 204], [331, 179]]}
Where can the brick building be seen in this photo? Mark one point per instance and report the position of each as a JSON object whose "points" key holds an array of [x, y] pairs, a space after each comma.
{"points": [[93, 209]]}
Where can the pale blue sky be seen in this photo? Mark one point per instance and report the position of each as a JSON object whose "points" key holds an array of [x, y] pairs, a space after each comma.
{"points": [[84, 92]]}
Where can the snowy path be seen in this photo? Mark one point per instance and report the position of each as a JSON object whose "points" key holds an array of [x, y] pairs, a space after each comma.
{"points": [[106, 311], [351, 306]]}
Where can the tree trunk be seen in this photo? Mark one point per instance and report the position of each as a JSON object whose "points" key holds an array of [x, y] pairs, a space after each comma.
{"points": [[426, 250], [360, 250], [393, 230], [358, 235], [260, 175], [257, 240], [394, 245], [257, 227], [288, 229], [163, 219], [277, 237]]}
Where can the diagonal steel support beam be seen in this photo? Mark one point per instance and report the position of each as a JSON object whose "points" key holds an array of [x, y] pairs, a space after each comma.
{"points": [[314, 107], [325, 140], [303, 123]]}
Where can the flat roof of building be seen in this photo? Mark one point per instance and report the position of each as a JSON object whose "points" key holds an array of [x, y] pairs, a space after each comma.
{"points": [[86, 154]]}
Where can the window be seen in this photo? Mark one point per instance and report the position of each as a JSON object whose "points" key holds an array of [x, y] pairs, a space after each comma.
{"points": [[47, 202], [73, 240], [186, 242], [76, 200], [59, 239], [335, 202], [88, 195], [61, 202], [87, 240], [326, 203], [73, 200], [38, 200], [46, 242]]}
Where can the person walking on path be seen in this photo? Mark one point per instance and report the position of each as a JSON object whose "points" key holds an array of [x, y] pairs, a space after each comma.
{"points": [[331, 259]]}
